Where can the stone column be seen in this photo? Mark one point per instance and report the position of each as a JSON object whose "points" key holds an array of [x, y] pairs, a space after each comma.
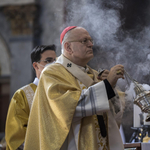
{"points": [[21, 18]]}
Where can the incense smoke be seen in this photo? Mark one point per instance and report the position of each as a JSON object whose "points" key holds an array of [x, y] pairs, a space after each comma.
{"points": [[117, 41]]}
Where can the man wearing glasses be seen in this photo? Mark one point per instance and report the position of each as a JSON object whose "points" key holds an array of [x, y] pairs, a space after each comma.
{"points": [[20, 105], [75, 110]]}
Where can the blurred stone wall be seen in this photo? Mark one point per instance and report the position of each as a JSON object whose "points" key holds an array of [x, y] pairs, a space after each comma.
{"points": [[16, 29], [52, 21]]}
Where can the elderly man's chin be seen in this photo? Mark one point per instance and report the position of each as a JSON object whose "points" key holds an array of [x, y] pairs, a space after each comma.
{"points": [[90, 56]]}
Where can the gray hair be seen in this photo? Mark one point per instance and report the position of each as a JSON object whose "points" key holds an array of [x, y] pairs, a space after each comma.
{"points": [[63, 41], [67, 35]]}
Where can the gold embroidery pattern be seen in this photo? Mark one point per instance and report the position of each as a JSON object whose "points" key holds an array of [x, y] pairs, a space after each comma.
{"points": [[102, 142], [29, 94], [82, 86]]}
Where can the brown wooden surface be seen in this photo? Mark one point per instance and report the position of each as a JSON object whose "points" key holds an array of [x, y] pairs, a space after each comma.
{"points": [[133, 145]]}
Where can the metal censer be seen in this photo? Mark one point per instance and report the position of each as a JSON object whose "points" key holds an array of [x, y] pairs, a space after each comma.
{"points": [[142, 98]]}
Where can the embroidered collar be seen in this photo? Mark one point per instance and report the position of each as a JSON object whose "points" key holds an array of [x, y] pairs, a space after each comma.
{"points": [[84, 69], [75, 70]]}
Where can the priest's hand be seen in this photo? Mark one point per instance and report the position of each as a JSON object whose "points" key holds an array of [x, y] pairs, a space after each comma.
{"points": [[115, 73], [103, 75]]}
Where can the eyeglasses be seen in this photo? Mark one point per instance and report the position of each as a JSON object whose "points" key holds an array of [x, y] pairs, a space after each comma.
{"points": [[47, 61], [84, 41]]}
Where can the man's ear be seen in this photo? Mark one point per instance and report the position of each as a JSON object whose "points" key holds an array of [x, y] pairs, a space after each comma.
{"points": [[67, 47], [35, 66]]}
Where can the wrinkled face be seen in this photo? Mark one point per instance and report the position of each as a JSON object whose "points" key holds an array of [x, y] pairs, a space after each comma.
{"points": [[81, 46]]}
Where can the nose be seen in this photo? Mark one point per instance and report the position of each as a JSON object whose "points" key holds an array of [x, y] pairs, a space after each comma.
{"points": [[90, 43]]}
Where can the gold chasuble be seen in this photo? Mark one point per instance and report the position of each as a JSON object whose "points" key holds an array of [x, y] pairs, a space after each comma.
{"points": [[17, 116], [54, 106]]}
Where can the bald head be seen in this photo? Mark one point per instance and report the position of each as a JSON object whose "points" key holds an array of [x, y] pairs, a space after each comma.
{"points": [[71, 35], [77, 46]]}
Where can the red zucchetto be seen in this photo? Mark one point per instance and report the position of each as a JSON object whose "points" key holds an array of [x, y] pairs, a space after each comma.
{"points": [[65, 31]]}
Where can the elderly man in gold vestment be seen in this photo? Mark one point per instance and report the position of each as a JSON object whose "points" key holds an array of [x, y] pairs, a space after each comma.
{"points": [[72, 109], [20, 105]]}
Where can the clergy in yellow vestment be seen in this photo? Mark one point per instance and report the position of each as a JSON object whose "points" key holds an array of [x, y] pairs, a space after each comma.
{"points": [[20, 105], [17, 116], [70, 103]]}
